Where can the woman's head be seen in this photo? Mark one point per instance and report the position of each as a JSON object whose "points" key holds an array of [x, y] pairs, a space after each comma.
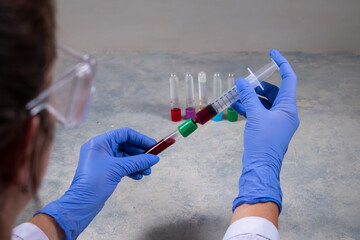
{"points": [[27, 53]]}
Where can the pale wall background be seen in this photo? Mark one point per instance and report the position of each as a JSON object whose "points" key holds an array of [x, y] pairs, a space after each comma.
{"points": [[210, 25]]}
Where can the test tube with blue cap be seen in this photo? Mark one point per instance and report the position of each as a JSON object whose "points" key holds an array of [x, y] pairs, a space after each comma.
{"points": [[217, 88]]}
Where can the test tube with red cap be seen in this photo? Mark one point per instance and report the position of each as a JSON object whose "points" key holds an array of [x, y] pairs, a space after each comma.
{"points": [[190, 100], [174, 98]]}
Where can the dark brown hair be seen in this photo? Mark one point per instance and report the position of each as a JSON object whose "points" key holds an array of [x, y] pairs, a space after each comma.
{"points": [[27, 50]]}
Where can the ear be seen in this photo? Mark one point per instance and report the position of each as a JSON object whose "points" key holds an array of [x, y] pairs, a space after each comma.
{"points": [[23, 170]]}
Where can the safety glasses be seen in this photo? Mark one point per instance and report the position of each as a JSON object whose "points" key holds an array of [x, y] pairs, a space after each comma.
{"points": [[69, 96]]}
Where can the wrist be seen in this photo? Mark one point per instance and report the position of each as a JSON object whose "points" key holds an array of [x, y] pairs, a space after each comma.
{"points": [[49, 226], [55, 210], [259, 184], [71, 215], [267, 210], [265, 159]]}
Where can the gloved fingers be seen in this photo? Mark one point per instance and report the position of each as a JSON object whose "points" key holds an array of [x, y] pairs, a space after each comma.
{"points": [[122, 135], [247, 95], [146, 172], [139, 175], [130, 149], [287, 90], [270, 91], [134, 164], [135, 176], [239, 108]]}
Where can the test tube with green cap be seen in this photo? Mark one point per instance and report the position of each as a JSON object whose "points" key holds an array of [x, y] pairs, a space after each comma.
{"points": [[183, 130], [232, 116]]}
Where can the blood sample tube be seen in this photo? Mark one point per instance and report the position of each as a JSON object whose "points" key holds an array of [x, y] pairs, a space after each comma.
{"points": [[232, 116], [202, 90], [217, 88], [184, 130], [174, 98], [190, 101]]}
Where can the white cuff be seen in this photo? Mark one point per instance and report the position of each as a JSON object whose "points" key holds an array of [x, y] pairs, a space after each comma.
{"points": [[28, 231], [254, 227]]}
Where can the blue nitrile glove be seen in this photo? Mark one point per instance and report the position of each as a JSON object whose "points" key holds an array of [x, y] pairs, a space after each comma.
{"points": [[104, 160], [267, 134]]}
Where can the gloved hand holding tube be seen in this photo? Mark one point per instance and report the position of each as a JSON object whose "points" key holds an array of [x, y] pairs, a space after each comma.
{"points": [[268, 131], [104, 161]]}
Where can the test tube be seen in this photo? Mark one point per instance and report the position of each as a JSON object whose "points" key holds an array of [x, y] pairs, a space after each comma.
{"points": [[190, 100], [174, 98], [232, 116], [217, 88], [231, 96], [184, 130], [202, 90], [230, 80]]}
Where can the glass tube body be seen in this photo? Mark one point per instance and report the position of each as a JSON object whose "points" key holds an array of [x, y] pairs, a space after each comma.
{"points": [[174, 91], [165, 143], [202, 90], [190, 99], [230, 80], [217, 85], [189, 83], [217, 93]]}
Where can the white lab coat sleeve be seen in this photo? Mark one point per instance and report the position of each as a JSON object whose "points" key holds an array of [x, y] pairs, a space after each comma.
{"points": [[28, 231], [252, 228]]}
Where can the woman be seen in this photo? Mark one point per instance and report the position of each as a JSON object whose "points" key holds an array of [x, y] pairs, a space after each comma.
{"points": [[27, 55], [28, 95], [27, 52]]}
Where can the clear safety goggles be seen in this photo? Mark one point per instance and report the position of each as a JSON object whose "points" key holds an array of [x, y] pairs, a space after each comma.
{"points": [[69, 95]]}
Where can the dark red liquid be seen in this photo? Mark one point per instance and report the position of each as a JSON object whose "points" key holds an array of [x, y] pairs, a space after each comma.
{"points": [[204, 115], [161, 146]]}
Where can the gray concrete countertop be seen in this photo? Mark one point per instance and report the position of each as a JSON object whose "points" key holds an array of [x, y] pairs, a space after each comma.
{"points": [[190, 191]]}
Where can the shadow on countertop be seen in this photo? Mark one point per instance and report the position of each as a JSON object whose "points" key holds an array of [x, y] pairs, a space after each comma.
{"points": [[201, 228]]}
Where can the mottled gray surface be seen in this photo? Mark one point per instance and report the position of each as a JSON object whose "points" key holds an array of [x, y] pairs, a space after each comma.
{"points": [[189, 194], [210, 25]]}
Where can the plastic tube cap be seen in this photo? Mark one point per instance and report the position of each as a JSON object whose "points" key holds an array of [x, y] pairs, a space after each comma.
{"points": [[232, 115], [218, 117], [176, 114], [187, 128]]}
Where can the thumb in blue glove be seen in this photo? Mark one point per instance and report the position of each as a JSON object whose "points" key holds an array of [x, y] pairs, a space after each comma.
{"points": [[270, 125], [104, 161]]}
